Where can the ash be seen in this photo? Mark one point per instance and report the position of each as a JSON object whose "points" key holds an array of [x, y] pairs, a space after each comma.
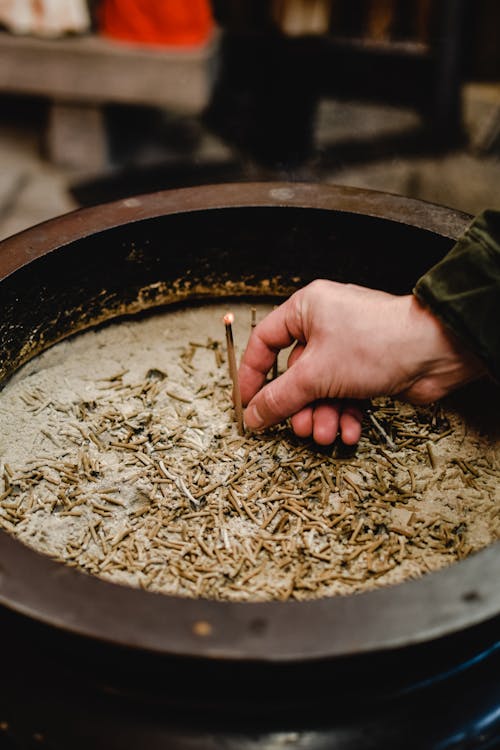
{"points": [[120, 457]]}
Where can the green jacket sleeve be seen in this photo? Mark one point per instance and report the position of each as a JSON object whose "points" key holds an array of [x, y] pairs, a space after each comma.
{"points": [[463, 289]]}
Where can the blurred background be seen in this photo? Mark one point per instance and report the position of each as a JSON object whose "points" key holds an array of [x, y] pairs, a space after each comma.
{"points": [[105, 99]]}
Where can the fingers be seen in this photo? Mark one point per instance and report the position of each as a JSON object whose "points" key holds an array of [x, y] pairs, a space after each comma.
{"points": [[302, 422], [323, 420], [326, 419], [270, 336], [282, 397], [286, 395], [351, 420]]}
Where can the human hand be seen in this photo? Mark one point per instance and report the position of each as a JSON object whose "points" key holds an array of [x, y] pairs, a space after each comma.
{"points": [[351, 343]]}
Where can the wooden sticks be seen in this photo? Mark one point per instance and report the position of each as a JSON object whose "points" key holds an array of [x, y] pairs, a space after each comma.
{"points": [[390, 442]]}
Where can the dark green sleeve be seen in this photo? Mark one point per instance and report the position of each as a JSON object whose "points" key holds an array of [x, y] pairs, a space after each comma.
{"points": [[463, 289]]}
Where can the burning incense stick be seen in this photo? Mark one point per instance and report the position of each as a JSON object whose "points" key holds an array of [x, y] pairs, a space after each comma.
{"points": [[233, 372]]}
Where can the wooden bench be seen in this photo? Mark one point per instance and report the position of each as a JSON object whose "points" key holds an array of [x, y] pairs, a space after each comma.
{"points": [[81, 74]]}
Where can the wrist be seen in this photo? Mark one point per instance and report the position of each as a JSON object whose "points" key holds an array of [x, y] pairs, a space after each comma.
{"points": [[436, 361]]}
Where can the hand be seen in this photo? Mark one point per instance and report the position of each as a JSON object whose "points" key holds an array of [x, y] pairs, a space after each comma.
{"points": [[351, 343]]}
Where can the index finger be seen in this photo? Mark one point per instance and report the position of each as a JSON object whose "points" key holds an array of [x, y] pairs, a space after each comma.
{"points": [[270, 336]]}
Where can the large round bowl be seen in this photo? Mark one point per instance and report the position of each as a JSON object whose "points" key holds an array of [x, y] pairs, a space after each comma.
{"points": [[250, 667]]}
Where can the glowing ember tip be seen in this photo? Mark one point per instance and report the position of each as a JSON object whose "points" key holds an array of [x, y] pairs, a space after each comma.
{"points": [[229, 318]]}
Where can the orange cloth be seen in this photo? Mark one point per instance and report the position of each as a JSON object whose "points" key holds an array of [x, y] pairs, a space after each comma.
{"points": [[163, 22]]}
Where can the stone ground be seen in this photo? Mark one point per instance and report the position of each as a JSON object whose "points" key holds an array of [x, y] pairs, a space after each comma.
{"points": [[33, 189]]}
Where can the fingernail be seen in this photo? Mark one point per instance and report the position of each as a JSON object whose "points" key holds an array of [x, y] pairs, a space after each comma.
{"points": [[253, 419]]}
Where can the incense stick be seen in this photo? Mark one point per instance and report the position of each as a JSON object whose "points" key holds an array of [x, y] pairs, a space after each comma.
{"points": [[233, 372], [275, 368]]}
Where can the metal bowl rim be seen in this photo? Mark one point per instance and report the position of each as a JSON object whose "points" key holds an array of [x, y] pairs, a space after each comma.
{"points": [[457, 598]]}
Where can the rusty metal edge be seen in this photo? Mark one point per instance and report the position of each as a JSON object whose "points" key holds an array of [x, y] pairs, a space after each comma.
{"points": [[20, 249]]}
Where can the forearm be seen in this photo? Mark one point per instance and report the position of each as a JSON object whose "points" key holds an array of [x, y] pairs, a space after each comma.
{"points": [[463, 290]]}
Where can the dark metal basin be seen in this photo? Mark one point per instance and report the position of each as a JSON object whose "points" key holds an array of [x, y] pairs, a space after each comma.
{"points": [[256, 240]]}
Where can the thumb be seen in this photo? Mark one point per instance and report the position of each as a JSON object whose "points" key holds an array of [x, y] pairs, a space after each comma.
{"points": [[282, 397]]}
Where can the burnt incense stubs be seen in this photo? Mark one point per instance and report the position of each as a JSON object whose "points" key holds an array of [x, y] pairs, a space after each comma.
{"points": [[120, 456]]}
